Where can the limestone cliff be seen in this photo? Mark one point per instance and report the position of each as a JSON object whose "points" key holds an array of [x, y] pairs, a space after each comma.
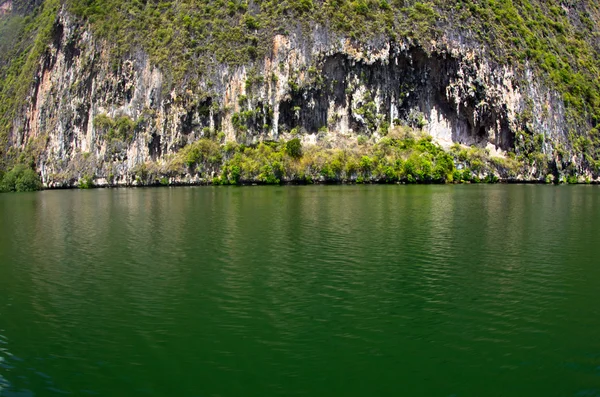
{"points": [[91, 114], [5, 7]]}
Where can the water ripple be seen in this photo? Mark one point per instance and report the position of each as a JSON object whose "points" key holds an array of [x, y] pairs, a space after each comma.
{"points": [[434, 290]]}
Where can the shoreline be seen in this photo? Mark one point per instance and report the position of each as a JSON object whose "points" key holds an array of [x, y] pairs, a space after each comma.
{"points": [[318, 183]]}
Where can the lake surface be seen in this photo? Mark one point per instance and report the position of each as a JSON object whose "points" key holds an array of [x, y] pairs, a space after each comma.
{"points": [[311, 291]]}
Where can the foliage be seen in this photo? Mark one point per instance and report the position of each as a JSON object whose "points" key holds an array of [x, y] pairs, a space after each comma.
{"points": [[368, 112], [120, 129], [20, 179], [86, 182], [555, 37], [24, 40], [396, 158], [201, 151], [103, 123], [293, 148]]}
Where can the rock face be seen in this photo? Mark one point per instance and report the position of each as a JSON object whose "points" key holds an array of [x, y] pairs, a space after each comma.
{"points": [[87, 115], [6, 7]]}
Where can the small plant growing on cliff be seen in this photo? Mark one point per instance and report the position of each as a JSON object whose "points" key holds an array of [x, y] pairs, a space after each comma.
{"points": [[103, 122], [467, 175], [294, 87], [123, 129], [368, 112], [86, 182], [293, 148], [417, 119], [491, 178], [120, 129], [240, 120], [251, 22], [384, 128], [234, 174], [303, 5], [456, 176]]}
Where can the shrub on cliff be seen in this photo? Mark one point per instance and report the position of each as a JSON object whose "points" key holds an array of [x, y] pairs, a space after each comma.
{"points": [[203, 150], [293, 148], [103, 123], [20, 179], [86, 182]]}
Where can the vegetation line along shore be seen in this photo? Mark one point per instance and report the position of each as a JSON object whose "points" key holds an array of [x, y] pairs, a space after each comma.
{"points": [[403, 156]]}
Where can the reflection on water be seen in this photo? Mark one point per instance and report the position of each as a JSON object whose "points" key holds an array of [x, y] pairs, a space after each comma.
{"points": [[342, 290], [8, 363], [3, 365]]}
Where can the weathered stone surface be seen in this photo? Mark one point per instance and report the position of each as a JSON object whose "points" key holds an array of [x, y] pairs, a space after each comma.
{"points": [[324, 87]]}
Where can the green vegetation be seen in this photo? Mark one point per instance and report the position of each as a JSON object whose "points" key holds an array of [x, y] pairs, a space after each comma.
{"points": [[20, 179], [554, 37], [403, 156], [202, 151], [368, 111], [24, 40], [120, 129], [294, 148], [557, 38], [86, 182]]}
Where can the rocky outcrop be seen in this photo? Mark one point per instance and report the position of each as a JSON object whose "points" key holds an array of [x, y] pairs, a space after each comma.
{"points": [[6, 7], [91, 114]]}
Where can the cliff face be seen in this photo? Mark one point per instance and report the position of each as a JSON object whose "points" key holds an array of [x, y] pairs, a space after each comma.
{"points": [[5, 7], [89, 114]]}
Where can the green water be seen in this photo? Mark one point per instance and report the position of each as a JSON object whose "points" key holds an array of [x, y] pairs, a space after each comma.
{"points": [[314, 291]]}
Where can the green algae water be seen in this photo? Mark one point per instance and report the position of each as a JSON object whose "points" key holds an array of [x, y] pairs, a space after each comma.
{"points": [[309, 291]]}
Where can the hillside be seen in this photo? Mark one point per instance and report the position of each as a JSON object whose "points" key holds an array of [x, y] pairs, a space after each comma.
{"points": [[120, 92]]}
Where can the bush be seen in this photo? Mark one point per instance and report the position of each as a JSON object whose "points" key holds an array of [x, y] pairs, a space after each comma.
{"points": [[123, 129], [270, 174], [456, 176], [203, 150], [466, 176], [251, 22], [120, 129], [293, 148], [366, 164], [103, 122], [21, 179], [491, 178], [87, 182]]}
